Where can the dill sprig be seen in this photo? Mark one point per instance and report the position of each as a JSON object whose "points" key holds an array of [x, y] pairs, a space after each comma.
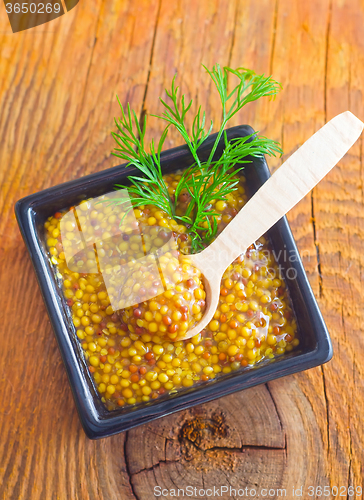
{"points": [[131, 148], [215, 181], [205, 181]]}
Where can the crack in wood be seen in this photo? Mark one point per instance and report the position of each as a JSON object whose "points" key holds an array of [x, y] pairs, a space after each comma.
{"points": [[152, 468], [350, 466], [234, 32], [327, 46], [343, 318], [349, 82], [143, 109], [361, 171], [275, 20], [327, 409], [128, 472], [241, 450], [246, 447], [282, 132], [277, 412], [152, 431], [228, 480], [172, 480], [349, 411], [317, 247], [92, 56]]}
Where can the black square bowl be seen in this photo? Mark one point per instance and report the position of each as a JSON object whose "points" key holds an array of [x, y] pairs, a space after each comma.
{"points": [[97, 421]]}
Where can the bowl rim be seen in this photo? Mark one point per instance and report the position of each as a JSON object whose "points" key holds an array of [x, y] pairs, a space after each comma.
{"points": [[96, 420]]}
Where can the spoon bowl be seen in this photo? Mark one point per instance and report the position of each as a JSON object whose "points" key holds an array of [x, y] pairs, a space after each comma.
{"points": [[296, 177]]}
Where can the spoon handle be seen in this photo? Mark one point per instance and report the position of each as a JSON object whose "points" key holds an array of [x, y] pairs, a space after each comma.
{"points": [[285, 188]]}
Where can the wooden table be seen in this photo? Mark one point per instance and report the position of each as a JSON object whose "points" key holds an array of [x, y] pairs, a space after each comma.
{"points": [[58, 86]]}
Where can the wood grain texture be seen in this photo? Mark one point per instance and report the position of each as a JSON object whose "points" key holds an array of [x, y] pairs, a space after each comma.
{"points": [[58, 84]]}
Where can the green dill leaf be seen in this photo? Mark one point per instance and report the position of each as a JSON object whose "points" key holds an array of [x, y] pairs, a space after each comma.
{"points": [[205, 181]]}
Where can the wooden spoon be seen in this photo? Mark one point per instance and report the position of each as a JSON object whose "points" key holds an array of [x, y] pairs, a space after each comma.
{"points": [[282, 191]]}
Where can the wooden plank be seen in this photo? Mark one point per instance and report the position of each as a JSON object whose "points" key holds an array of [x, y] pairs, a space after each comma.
{"points": [[57, 96]]}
